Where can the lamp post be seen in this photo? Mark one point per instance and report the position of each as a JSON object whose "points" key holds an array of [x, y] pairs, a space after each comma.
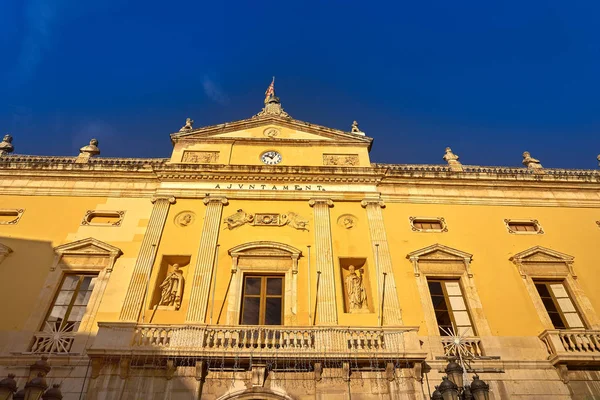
{"points": [[35, 387], [8, 386], [480, 389], [453, 386]]}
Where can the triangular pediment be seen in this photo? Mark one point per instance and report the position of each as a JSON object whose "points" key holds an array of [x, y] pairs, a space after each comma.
{"points": [[89, 246], [270, 128], [541, 254], [439, 252]]}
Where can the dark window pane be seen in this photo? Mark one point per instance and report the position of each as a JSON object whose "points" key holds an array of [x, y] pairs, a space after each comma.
{"points": [[439, 303], [549, 304], [274, 286], [273, 311], [443, 318], [557, 320], [251, 311], [435, 288], [542, 290], [252, 285]]}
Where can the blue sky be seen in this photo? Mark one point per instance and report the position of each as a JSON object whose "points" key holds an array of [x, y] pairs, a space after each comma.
{"points": [[490, 79]]}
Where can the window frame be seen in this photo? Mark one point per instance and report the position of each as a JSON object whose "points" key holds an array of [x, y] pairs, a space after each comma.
{"points": [[263, 296], [547, 283], [428, 220], [57, 292], [442, 281], [530, 222]]}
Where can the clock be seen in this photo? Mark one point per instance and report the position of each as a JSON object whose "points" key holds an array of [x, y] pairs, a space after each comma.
{"points": [[270, 157]]}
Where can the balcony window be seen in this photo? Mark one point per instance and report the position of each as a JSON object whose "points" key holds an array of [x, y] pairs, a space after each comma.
{"points": [[558, 304], [450, 309], [262, 300], [61, 323]]}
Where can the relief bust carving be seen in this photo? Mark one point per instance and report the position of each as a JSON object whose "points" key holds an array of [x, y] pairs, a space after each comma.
{"points": [[356, 292], [172, 289]]}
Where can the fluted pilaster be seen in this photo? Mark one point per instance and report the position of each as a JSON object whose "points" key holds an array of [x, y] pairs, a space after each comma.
{"points": [[392, 314], [143, 266], [204, 270], [326, 299]]}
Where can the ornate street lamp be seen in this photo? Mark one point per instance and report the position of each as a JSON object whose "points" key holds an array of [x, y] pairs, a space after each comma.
{"points": [[436, 394], [35, 387], [448, 389], [8, 386], [455, 373], [41, 366], [20, 395], [480, 389], [53, 393]]}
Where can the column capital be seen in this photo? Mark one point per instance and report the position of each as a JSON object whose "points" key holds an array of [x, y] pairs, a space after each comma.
{"points": [[312, 202], [170, 199], [375, 202], [214, 199]]}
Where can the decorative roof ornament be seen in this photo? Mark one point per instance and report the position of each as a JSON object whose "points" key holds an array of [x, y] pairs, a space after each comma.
{"points": [[530, 162], [452, 160], [356, 130], [189, 123], [598, 158], [6, 146], [88, 151], [272, 104]]}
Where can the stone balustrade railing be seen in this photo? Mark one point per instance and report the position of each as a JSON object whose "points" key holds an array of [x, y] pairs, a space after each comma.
{"points": [[572, 346], [470, 347], [207, 340]]}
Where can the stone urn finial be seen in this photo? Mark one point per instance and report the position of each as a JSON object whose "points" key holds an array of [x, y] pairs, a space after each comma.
{"points": [[88, 151], [6, 146], [598, 158]]}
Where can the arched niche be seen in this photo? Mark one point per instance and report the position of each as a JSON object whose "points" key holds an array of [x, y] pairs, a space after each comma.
{"points": [[264, 257], [255, 393]]}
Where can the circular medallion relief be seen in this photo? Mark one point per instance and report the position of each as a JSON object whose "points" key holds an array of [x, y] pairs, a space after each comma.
{"points": [[271, 132], [185, 218], [347, 221]]}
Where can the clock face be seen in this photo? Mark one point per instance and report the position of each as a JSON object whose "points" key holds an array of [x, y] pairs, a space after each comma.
{"points": [[270, 157]]}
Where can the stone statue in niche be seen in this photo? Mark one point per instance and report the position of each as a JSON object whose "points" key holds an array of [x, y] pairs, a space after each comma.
{"points": [[172, 289], [355, 289], [6, 146], [296, 221], [238, 219]]}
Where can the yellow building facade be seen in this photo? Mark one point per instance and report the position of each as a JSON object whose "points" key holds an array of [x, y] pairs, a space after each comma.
{"points": [[269, 258]]}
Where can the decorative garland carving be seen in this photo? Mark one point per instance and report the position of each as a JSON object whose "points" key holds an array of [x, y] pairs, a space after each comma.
{"points": [[240, 217]]}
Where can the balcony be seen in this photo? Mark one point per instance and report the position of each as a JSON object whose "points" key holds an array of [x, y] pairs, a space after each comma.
{"points": [[572, 347], [462, 347], [120, 339]]}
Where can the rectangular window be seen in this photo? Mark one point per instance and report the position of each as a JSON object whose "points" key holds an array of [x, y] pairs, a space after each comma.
{"points": [[428, 224], [70, 303], [450, 309], [523, 226], [262, 300], [559, 306]]}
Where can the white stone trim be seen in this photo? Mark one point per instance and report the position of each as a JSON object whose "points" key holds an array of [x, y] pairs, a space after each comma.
{"points": [[264, 250]]}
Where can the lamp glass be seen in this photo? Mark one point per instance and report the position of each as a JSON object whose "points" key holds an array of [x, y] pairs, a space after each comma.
{"points": [[450, 395], [5, 393], [481, 395], [34, 392]]}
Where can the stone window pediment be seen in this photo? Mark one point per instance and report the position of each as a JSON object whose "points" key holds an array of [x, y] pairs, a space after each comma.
{"points": [[88, 252], [440, 260], [542, 262]]}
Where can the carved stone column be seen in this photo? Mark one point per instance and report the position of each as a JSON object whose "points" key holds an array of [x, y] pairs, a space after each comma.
{"points": [[143, 266], [391, 306], [326, 299], [200, 286]]}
